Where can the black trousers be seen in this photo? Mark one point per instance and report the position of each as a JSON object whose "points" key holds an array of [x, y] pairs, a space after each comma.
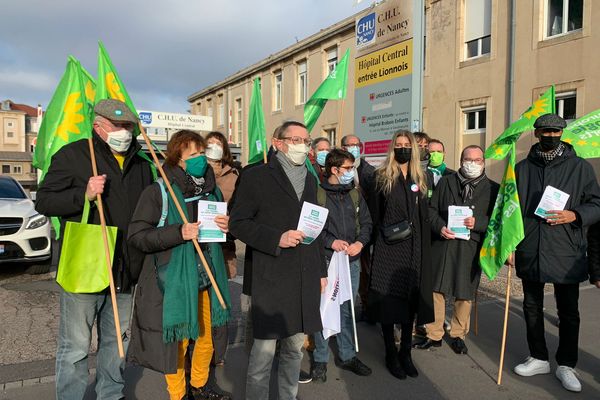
{"points": [[567, 304]]}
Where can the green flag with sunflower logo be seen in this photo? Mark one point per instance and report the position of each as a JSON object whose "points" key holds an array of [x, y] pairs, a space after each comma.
{"points": [[505, 229], [110, 86], [584, 135], [545, 104], [67, 117]]}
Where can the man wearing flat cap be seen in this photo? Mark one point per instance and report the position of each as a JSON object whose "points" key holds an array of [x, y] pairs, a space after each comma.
{"points": [[554, 247], [123, 175]]}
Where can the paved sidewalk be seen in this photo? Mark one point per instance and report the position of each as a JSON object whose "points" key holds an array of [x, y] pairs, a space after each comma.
{"points": [[444, 375]]}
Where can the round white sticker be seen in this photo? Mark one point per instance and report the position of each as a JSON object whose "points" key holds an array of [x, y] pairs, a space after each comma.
{"points": [[414, 187]]}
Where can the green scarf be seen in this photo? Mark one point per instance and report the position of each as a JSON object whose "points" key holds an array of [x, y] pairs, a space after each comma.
{"points": [[439, 170], [214, 254], [180, 300]]}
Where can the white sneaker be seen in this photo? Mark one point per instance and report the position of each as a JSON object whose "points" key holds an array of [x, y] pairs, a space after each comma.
{"points": [[532, 366], [568, 377]]}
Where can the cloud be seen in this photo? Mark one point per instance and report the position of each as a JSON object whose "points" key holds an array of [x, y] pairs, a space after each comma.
{"points": [[163, 50]]}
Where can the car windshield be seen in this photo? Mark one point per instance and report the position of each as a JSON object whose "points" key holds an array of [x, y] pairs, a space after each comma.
{"points": [[10, 189]]}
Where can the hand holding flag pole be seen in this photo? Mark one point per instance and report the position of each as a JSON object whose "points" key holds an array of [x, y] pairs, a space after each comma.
{"points": [[113, 296], [182, 214]]}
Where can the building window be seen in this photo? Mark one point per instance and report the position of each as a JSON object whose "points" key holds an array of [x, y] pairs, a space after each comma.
{"points": [[239, 117], [31, 148], [475, 120], [10, 134], [209, 109], [17, 169], [32, 169], [9, 124], [563, 16], [331, 135], [302, 83], [332, 59], [221, 115], [277, 86], [566, 105], [478, 21], [5, 169]]}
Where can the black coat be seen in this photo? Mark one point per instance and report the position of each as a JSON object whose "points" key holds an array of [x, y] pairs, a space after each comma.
{"points": [[146, 347], [62, 194], [455, 263], [556, 254], [341, 221], [285, 282], [390, 263]]}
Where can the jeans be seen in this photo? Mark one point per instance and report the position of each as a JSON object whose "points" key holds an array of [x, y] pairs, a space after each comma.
{"points": [[345, 339], [567, 304], [261, 360], [77, 315]]}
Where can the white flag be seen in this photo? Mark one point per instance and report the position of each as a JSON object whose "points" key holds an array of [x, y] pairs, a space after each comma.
{"points": [[339, 290]]}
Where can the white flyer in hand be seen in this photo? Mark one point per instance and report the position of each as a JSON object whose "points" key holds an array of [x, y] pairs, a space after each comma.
{"points": [[209, 231], [456, 221], [312, 221], [552, 199]]}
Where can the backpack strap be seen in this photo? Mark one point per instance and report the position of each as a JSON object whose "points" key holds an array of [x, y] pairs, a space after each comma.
{"points": [[165, 203]]}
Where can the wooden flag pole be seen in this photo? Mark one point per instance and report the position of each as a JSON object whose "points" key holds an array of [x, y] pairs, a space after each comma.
{"points": [[506, 308], [113, 295], [183, 217], [265, 156]]}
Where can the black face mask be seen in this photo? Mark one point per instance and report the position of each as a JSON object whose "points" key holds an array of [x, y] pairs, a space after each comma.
{"points": [[549, 143], [402, 155]]}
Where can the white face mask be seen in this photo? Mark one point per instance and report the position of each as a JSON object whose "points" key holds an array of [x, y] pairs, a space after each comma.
{"points": [[297, 153], [471, 169], [214, 151], [119, 140]]}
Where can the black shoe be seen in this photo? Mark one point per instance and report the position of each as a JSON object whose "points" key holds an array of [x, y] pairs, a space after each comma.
{"points": [[407, 364], [421, 331], [393, 365], [459, 346], [206, 393], [319, 372], [356, 366], [426, 344], [304, 377]]}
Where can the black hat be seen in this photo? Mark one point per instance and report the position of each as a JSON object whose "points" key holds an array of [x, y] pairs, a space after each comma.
{"points": [[115, 110], [550, 121]]}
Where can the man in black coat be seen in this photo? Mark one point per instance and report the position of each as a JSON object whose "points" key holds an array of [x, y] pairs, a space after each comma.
{"points": [[554, 247], [123, 175], [287, 275], [455, 261]]}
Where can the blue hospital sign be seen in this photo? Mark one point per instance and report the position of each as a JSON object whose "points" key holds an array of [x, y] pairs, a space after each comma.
{"points": [[365, 30], [146, 118]]}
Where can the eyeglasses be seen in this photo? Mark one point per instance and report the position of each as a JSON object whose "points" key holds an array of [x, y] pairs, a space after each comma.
{"points": [[298, 140]]}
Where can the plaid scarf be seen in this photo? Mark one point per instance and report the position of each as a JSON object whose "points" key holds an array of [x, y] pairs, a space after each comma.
{"points": [[551, 155]]}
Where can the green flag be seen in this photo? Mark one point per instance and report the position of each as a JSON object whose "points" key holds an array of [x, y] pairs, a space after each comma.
{"points": [[110, 86], [505, 229], [257, 136], [333, 88], [67, 117], [584, 135], [545, 104]]}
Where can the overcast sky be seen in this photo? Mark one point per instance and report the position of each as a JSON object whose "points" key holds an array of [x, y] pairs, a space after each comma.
{"points": [[163, 50]]}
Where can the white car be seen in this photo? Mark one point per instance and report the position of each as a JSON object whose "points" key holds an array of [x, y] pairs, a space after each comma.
{"points": [[24, 233]]}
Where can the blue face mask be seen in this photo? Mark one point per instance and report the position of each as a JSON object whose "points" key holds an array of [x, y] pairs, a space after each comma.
{"points": [[347, 177], [321, 157], [196, 166], [354, 150]]}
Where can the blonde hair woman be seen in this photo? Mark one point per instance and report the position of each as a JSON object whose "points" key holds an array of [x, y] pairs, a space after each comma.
{"points": [[400, 285]]}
